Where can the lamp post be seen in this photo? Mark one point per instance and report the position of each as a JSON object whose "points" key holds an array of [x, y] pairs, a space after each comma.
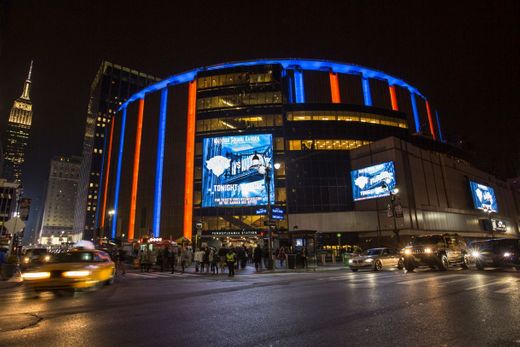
{"points": [[264, 168], [110, 216], [392, 208]]}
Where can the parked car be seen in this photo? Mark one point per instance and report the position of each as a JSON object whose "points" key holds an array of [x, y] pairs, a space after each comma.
{"points": [[74, 269], [501, 253], [436, 252], [376, 259]]}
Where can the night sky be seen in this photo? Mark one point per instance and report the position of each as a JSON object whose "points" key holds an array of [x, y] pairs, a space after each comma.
{"points": [[464, 56]]}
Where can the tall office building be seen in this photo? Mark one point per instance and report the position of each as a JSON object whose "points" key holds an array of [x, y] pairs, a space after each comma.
{"points": [[112, 86], [17, 133], [58, 214]]}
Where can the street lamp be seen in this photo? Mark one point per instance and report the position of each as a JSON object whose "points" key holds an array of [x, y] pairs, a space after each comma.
{"points": [[392, 207], [264, 169], [110, 216]]}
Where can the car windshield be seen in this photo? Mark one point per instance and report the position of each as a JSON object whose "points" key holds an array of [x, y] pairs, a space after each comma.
{"points": [[74, 257], [373, 251], [427, 240], [39, 251]]}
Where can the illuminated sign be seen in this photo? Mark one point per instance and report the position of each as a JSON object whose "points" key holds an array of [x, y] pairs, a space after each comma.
{"points": [[277, 213], [367, 183], [234, 169], [483, 197]]}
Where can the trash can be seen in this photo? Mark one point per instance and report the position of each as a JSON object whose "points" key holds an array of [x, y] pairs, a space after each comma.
{"points": [[291, 261], [346, 258]]}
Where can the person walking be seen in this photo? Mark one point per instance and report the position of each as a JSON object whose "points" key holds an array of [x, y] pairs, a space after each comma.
{"points": [[303, 255], [172, 257], [222, 258], [257, 257], [231, 258], [281, 256], [214, 260], [185, 258], [121, 260], [164, 257]]}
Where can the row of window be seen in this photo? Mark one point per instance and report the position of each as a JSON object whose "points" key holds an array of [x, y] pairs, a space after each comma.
{"points": [[280, 195], [278, 146], [234, 79], [239, 123], [346, 116], [237, 100], [302, 145]]}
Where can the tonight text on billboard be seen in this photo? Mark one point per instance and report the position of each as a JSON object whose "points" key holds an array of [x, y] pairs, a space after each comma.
{"points": [[233, 171], [367, 183]]}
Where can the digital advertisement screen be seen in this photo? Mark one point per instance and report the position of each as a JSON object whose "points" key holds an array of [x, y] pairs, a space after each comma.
{"points": [[483, 197], [367, 182], [233, 170]]}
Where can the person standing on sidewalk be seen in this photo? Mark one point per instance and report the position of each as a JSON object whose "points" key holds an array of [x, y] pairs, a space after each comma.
{"points": [[304, 257], [172, 257], [222, 258], [257, 257], [231, 258]]}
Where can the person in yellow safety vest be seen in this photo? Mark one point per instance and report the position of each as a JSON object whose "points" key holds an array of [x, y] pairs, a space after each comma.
{"points": [[231, 259]]}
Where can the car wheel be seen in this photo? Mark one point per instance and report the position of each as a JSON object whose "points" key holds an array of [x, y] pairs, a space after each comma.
{"points": [[111, 279], [409, 265], [378, 265], [400, 264], [464, 264], [354, 270], [444, 263], [479, 265]]}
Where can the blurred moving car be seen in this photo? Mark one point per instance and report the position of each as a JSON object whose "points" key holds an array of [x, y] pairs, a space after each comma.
{"points": [[34, 256], [437, 252], [376, 259], [75, 269], [502, 253]]}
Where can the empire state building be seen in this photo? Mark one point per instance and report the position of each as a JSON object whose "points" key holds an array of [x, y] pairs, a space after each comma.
{"points": [[17, 133]]}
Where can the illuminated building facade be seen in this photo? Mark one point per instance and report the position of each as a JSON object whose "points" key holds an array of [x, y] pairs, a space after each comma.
{"points": [[111, 87], [62, 187], [17, 134], [192, 150]]}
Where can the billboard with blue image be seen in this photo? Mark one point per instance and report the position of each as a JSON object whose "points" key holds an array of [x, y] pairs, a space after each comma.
{"points": [[483, 197], [367, 183], [233, 170]]}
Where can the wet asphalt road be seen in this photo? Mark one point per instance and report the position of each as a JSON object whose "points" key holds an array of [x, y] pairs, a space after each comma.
{"points": [[334, 308]]}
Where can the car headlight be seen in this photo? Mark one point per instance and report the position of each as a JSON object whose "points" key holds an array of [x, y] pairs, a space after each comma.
{"points": [[73, 274], [507, 254], [427, 250], [47, 258], [369, 260], [350, 261], [26, 260], [475, 254], [408, 251], [36, 275]]}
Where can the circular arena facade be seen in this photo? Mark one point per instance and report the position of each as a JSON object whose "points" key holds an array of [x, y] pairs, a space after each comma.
{"points": [[196, 153]]}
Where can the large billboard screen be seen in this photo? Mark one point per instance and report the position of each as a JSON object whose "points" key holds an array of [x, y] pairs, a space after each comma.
{"points": [[483, 197], [367, 182], [233, 170]]}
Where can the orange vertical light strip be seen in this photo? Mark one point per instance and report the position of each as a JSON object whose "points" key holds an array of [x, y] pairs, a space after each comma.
{"points": [[190, 154], [334, 88], [107, 175], [135, 178], [430, 120], [393, 98]]}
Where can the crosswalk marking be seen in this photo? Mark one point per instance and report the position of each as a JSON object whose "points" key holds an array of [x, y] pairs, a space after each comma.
{"points": [[419, 280], [487, 284]]}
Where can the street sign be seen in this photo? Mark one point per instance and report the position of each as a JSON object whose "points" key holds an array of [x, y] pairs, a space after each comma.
{"points": [[14, 225]]}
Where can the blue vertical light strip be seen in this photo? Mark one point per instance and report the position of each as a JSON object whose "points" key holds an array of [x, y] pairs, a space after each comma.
{"points": [[367, 96], [298, 86], [101, 175], [439, 127], [160, 164], [290, 94], [118, 173], [415, 113]]}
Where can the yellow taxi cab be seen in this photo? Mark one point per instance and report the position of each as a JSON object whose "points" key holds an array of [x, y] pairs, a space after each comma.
{"points": [[75, 269]]}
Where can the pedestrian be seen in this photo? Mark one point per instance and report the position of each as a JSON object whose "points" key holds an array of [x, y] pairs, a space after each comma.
{"points": [[242, 258], [185, 258], [222, 258], [121, 260], [145, 258], [231, 258], [173, 257], [303, 255], [257, 257], [205, 259], [281, 256], [164, 257], [214, 260]]}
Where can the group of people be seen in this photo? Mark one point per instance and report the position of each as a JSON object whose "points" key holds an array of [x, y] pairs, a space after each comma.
{"points": [[168, 257]]}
